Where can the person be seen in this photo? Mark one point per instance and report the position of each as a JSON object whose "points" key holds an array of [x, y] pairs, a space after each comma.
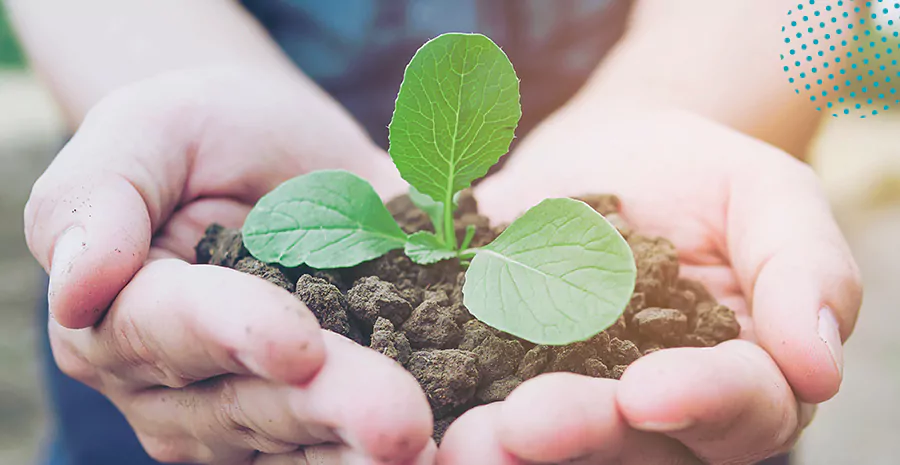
{"points": [[187, 112]]}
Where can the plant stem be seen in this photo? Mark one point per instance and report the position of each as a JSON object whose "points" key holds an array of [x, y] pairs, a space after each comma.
{"points": [[449, 227], [470, 234], [467, 254]]}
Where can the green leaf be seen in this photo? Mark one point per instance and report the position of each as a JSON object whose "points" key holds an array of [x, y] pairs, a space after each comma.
{"points": [[425, 248], [455, 115], [325, 219], [559, 274]]}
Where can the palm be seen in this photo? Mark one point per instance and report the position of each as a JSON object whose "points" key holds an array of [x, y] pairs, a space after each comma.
{"points": [[241, 143]]}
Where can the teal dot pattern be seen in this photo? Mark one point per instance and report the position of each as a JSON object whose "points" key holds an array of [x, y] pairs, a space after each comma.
{"points": [[842, 55]]}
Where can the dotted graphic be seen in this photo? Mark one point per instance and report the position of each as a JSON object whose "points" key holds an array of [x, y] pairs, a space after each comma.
{"points": [[842, 55]]}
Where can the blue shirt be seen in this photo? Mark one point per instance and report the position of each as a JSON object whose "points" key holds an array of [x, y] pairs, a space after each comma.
{"points": [[357, 50]]}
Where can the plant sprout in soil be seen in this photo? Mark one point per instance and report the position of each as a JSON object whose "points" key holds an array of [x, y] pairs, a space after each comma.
{"points": [[559, 274]]}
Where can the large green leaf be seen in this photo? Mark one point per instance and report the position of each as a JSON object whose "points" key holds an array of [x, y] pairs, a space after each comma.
{"points": [[559, 274], [455, 115], [325, 219]]}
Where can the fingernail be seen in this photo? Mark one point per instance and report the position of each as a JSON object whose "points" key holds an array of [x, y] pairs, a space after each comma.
{"points": [[664, 427], [807, 412], [70, 245], [830, 334]]}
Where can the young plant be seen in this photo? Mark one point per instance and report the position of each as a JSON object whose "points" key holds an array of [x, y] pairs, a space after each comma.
{"points": [[559, 274]]}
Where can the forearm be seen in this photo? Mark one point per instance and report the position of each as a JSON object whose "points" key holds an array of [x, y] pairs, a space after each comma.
{"points": [[714, 58], [86, 49]]}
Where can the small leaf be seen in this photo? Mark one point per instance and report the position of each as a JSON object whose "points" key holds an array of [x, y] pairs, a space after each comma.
{"points": [[325, 219], [559, 274], [455, 115], [425, 248]]}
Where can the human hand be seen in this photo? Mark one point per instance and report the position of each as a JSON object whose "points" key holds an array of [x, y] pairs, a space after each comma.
{"points": [[210, 365], [753, 225]]}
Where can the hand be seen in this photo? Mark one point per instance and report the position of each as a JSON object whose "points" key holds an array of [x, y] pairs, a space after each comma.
{"points": [[750, 222], [210, 365]]}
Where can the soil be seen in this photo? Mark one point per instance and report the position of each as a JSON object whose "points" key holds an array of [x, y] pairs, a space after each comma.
{"points": [[415, 314]]}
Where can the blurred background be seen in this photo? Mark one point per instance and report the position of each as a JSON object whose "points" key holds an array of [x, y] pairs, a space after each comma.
{"points": [[859, 161], [29, 135]]}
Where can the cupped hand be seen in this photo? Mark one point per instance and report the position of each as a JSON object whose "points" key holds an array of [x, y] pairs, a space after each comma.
{"points": [[210, 365], [752, 224]]}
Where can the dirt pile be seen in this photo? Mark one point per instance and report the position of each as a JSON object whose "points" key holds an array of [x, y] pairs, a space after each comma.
{"points": [[415, 314]]}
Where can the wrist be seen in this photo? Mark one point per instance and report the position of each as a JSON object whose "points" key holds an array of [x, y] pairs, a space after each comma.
{"points": [[666, 58]]}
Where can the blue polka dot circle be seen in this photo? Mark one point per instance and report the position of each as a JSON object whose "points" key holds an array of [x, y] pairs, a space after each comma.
{"points": [[842, 55]]}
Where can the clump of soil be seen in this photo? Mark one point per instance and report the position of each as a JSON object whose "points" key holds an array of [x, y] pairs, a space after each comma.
{"points": [[415, 314]]}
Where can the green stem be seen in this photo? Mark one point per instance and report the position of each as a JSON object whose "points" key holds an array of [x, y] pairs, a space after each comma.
{"points": [[467, 254], [449, 227], [470, 234]]}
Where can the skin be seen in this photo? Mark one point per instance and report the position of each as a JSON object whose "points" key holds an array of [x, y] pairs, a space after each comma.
{"points": [[719, 60], [157, 157]]}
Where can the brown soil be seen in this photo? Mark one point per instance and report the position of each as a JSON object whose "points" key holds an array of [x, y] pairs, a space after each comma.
{"points": [[415, 314]]}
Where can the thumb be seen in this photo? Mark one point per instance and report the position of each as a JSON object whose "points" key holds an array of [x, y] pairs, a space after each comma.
{"points": [[793, 263], [90, 217]]}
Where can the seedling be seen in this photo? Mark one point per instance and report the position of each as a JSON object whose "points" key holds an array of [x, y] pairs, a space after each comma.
{"points": [[558, 274]]}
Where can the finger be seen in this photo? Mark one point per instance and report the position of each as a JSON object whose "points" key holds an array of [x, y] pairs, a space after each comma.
{"points": [[377, 406], [556, 418], [90, 216], [359, 398], [641, 448], [728, 404], [334, 454], [561, 416], [229, 418], [791, 259], [472, 438], [175, 324]]}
